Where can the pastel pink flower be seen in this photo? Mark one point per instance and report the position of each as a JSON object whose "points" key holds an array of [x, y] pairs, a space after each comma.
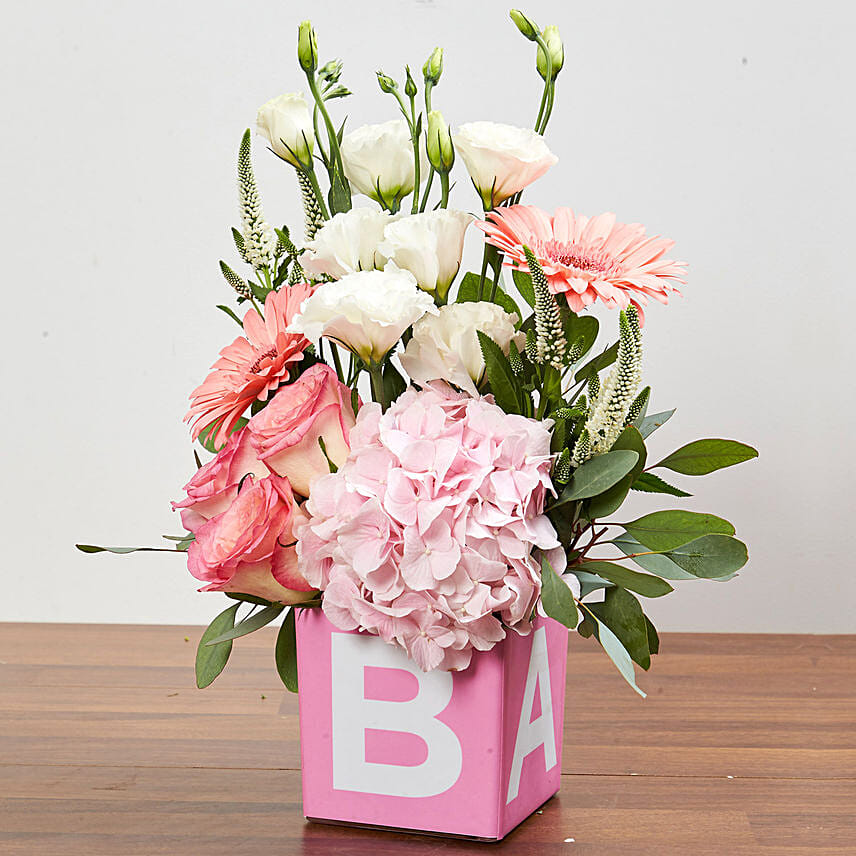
{"points": [[249, 547], [252, 366], [215, 485], [286, 432], [587, 258], [425, 534]]}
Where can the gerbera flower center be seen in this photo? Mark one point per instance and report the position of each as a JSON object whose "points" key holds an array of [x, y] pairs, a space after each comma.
{"points": [[269, 354], [582, 259]]}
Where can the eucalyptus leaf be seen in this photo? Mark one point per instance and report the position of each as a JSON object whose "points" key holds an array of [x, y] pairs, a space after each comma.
{"points": [[711, 556], [286, 652], [614, 649], [651, 483], [664, 530], [622, 613], [556, 597], [212, 659], [653, 637], [644, 584], [611, 500], [597, 475], [589, 582], [655, 563], [705, 456], [647, 425], [249, 625]]}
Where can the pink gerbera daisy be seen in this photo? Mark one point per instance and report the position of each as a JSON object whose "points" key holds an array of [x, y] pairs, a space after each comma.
{"points": [[587, 258], [251, 366]]}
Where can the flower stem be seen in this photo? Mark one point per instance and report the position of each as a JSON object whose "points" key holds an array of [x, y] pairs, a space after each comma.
{"points": [[378, 392], [337, 362], [335, 156], [548, 81], [444, 188], [316, 189]]}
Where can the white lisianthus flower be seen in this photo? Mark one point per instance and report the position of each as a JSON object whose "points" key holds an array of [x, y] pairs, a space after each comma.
{"points": [[445, 346], [285, 122], [502, 159], [378, 161], [429, 245], [367, 311], [347, 243]]}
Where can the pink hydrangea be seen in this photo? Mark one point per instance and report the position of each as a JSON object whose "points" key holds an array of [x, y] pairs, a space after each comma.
{"points": [[424, 536]]}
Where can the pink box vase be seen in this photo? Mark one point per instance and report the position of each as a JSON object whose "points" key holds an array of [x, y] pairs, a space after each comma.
{"points": [[469, 753]]}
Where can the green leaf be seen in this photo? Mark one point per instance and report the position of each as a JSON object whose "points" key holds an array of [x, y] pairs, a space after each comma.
{"points": [[286, 652], [589, 582], [206, 435], [651, 483], [121, 551], [622, 613], [647, 425], [711, 556], [339, 196], [613, 647], [597, 475], [705, 456], [499, 374], [655, 563], [585, 327], [231, 314], [249, 625], [653, 637], [664, 530], [598, 363], [468, 292], [611, 500], [248, 598], [212, 659], [523, 284], [393, 382], [643, 584], [556, 596]]}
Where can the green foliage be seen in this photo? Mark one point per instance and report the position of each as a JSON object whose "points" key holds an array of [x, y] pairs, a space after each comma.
{"points": [[611, 500], [622, 613], [643, 584], [248, 598], [231, 314], [207, 434], [665, 530], [523, 283], [647, 425], [93, 548], [705, 456], [580, 327], [286, 652], [598, 475], [503, 383], [211, 658], [556, 597], [393, 382], [714, 556], [651, 483], [611, 644], [468, 292], [598, 363], [250, 624]]}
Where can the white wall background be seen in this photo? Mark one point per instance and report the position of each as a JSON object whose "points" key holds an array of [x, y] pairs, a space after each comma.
{"points": [[728, 127]]}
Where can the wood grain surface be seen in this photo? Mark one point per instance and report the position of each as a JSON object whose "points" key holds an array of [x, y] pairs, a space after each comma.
{"points": [[745, 745]]}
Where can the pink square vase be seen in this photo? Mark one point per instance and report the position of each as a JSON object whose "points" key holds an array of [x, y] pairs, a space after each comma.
{"points": [[469, 753]]}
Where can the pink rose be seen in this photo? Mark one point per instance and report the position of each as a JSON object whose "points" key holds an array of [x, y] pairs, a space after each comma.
{"points": [[285, 433], [249, 547], [214, 486]]}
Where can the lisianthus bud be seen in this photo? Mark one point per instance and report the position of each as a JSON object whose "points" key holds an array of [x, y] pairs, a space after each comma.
{"points": [[386, 83], [409, 84], [285, 122], [556, 50], [433, 67], [307, 49], [525, 24], [441, 152]]}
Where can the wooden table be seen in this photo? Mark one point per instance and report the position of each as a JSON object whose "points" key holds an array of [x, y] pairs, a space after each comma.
{"points": [[745, 745]]}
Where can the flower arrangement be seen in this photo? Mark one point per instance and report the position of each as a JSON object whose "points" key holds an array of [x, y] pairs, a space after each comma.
{"points": [[429, 455]]}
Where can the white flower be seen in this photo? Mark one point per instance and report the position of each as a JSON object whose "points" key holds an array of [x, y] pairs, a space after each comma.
{"points": [[347, 243], [429, 245], [378, 161], [445, 346], [366, 312], [286, 124], [502, 159]]}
